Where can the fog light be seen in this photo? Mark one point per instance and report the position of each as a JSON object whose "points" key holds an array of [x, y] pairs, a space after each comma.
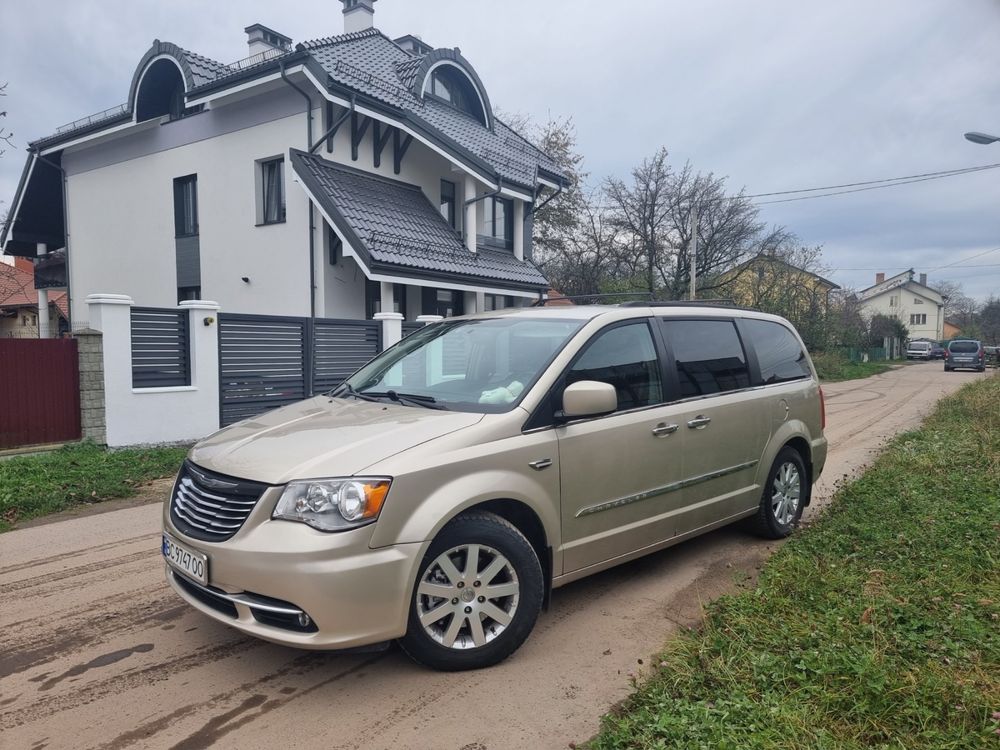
{"points": [[304, 620]]}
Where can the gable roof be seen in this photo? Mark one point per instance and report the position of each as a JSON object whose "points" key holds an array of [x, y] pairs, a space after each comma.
{"points": [[368, 64], [775, 259], [904, 279], [396, 230]]}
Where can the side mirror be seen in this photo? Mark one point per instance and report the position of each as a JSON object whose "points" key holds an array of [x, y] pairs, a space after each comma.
{"points": [[588, 398]]}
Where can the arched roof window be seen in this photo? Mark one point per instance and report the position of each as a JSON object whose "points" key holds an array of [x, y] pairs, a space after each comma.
{"points": [[160, 92], [450, 84]]}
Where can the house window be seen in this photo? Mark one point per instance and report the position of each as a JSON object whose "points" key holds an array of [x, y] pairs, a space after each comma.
{"points": [[892, 301], [448, 202], [495, 302], [186, 206], [373, 298], [443, 302], [336, 246], [498, 222], [917, 301], [919, 319], [451, 86], [271, 191]]}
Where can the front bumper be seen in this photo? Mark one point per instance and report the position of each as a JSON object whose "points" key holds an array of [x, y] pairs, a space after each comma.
{"points": [[268, 573]]}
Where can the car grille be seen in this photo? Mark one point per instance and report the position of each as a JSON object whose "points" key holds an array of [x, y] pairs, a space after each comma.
{"points": [[209, 506]]}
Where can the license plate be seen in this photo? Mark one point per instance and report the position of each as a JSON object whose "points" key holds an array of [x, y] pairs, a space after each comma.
{"points": [[192, 564]]}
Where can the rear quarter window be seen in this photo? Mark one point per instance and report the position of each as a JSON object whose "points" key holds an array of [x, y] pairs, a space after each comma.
{"points": [[779, 354]]}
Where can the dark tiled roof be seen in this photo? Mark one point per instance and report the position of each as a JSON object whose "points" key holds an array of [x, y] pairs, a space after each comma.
{"points": [[396, 226], [371, 64], [203, 69]]}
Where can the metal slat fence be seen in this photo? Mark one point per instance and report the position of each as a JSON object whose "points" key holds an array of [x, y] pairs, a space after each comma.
{"points": [[271, 361], [161, 353]]}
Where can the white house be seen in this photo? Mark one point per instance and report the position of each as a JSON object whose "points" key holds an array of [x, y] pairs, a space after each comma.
{"points": [[334, 178], [918, 306]]}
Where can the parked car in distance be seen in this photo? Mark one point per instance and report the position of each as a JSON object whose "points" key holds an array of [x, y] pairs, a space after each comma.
{"points": [[442, 491], [938, 351], [965, 354], [918, 350]]}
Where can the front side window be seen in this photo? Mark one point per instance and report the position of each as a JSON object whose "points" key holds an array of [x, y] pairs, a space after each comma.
{"points": [[186, 206], [480, 365], [272, 182], [779, 354], [709, 356], [625, 357]]}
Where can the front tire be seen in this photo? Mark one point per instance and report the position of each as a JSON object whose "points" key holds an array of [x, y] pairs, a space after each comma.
{"points": [[784, 497], [477, 595]]}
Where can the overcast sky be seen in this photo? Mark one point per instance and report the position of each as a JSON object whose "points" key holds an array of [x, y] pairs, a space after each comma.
{"points": [[774, 94]]}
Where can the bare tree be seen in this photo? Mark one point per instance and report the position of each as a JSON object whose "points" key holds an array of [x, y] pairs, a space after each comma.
{"points": [[586, 259], [6, 136]]}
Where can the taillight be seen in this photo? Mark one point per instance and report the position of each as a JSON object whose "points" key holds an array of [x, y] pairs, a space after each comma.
{"points": [[822, 409]]}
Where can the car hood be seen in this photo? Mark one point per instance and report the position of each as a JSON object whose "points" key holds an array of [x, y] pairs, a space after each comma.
{"points": [[322, 437]]}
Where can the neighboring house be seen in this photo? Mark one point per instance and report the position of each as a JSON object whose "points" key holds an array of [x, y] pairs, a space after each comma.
{"points": [[919, 307], [19, 303], [772, 284], [335, 178], [951, 329]]}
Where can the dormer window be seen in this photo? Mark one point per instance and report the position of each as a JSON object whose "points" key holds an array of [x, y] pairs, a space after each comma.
{"points": [[448, 84]]}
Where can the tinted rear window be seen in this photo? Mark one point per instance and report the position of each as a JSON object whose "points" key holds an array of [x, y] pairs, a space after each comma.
{"points": [[964, 347], [709, 356], [778, 351]]}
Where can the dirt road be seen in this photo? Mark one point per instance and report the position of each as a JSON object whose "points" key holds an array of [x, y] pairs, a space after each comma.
{"points": [[97, 652]]}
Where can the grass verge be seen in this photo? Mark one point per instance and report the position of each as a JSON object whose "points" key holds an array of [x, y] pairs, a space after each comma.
{"points": [[33, 486], [831, 367], [877, 627]]}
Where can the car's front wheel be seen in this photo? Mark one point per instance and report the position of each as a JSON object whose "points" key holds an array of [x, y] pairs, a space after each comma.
{"points": [[477, 595], [784, 497]]}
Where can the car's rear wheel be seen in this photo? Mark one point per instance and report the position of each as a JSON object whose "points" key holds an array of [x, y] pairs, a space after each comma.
{"points": [[477, 595], [784, 497]]}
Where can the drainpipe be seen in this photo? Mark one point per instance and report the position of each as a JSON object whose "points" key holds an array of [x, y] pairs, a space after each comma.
{"points": [[312, 223], [65, 212]]}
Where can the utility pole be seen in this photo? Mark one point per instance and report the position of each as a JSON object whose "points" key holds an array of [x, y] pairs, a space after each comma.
{"points": [[693, 250]]}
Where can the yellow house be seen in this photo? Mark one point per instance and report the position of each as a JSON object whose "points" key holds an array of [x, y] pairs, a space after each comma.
{"points": [[772, 284]]}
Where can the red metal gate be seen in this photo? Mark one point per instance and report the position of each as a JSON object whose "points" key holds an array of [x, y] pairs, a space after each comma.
{"points": [[39, 391]]}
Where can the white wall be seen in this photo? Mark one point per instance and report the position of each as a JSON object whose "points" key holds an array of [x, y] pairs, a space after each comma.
{"points": [[901, 302]]}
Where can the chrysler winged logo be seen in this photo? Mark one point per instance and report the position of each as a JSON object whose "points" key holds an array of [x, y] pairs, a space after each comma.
{"points": [[211, 482]]}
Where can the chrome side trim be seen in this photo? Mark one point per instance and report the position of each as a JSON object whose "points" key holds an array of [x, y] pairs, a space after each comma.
{"points": [[665, 489], [247, 600]]}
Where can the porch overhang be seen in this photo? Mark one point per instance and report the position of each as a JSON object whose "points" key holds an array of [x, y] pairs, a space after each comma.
{"points": [[36, 215], [395, 234]]}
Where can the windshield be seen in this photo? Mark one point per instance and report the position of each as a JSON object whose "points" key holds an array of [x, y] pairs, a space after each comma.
{"points": [[964, 347], [920, 346], [479, 365]]}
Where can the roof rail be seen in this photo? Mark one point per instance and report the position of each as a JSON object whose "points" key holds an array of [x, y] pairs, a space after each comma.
{"points": [[683, 303], [541, 302]]}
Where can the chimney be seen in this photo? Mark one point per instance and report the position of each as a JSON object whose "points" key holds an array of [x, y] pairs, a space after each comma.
{"points": [[359, 15], [262, 40], [879, 278], [923, 279]]}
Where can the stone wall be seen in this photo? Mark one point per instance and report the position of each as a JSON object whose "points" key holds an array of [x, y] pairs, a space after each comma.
{"points": [[90, 347]]}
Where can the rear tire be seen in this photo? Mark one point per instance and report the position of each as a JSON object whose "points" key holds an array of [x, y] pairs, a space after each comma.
{"points": [[470, 613], [785, 494]]}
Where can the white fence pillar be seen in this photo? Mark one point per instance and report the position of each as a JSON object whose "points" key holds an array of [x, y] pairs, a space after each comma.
{"points": [[172, 414], [392, 327]]}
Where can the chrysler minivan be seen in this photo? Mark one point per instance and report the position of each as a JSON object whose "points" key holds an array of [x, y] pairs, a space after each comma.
{"points": [[441, 492]]}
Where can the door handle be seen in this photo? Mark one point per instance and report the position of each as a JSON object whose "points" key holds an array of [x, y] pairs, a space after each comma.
{"points": [[663, 429], [698, 422], [541, 463]]}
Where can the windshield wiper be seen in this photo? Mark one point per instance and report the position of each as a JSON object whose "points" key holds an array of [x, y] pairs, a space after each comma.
{"points": [[428, 402], [348, 389]]}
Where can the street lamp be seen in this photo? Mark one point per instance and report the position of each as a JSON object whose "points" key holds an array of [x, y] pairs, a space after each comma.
{"points": [[983, 139]]}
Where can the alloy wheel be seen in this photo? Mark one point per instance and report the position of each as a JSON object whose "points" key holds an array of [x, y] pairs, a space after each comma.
{"points": [[786, 494]]}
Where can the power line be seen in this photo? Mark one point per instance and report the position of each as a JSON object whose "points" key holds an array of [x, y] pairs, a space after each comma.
{"points": [[877, 187], [887, 268], [962, 260], [942, 173]]}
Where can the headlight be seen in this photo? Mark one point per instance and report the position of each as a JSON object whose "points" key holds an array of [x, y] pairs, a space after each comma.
{"points": [[333, 504]]}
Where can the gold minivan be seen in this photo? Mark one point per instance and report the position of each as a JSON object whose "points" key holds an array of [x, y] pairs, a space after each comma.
{"points": [[440, 493]]}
